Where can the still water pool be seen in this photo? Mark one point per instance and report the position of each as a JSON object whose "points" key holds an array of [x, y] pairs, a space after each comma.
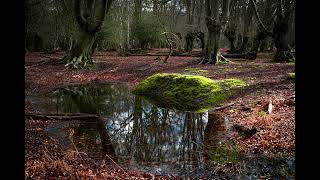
{"points": [[132, 130]]}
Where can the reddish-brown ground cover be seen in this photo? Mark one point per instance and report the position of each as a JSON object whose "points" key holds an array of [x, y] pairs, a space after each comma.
{"points": [[267, 81]]}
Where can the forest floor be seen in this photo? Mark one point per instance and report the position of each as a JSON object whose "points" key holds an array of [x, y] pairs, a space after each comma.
{"points": [[267, 80]]}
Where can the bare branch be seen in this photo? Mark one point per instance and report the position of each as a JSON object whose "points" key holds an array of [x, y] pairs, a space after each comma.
{"points": [[258, 18]]}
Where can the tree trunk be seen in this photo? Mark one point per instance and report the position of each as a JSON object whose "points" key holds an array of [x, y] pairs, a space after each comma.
{"points": [[231, 41], [215, 21], [244, 46], [189, 42], [90, 20], [281, 43], [80, 55], [257, 41], [155, 7], [212, 48], [201, 37]]}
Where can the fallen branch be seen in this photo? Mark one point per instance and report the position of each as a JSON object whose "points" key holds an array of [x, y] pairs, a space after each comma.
{"points": [[117, 165], [221, 107], [67, 116]]}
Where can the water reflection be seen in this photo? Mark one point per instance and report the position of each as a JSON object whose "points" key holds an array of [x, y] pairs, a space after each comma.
{"points": [[132, 129]]}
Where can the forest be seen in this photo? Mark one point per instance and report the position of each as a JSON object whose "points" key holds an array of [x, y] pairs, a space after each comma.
{"points": [[159, 89]]}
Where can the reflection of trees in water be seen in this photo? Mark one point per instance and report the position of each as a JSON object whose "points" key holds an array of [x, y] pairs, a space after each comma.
{"points": [[104, 100], [162, 135], [192, 138], [138, 129], [215, 132], [92, 137]]}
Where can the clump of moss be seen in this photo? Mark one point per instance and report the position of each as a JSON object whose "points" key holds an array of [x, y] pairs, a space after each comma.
{"points": [[292, 75], [196, 71], [231, 83], [224, 153], [186, 92]]}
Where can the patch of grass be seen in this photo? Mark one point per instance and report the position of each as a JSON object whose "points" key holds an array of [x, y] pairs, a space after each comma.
{"points": [[231, 83], [194, 71], [261, 113], [224, 153], [292, 75], [186, 92], [284, 171], [292, 60]]}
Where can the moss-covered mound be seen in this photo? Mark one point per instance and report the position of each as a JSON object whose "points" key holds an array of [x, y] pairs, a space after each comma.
{"points": [[186, 92]]}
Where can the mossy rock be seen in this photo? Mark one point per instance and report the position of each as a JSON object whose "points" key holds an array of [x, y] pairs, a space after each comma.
{"points": [[186, 92]]}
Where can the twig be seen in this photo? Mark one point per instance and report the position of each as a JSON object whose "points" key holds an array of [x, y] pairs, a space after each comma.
{"points": [[257, 16], [168, 41], [117, 165]]}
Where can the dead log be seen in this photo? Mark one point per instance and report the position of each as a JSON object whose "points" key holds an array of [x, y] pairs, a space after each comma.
{"points": [[221, 107], [66, 116]]}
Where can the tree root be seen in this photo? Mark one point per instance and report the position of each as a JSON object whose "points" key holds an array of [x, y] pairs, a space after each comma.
{"points": [[78, 62], [219, 59]]}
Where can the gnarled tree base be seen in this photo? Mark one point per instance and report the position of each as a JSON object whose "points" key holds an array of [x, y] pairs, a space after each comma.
{"points": [[218, 59], [82, 61], [283, 56]]}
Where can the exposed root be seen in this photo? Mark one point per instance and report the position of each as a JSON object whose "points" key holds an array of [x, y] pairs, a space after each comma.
{"points": [[219, 59], [81, 61]]}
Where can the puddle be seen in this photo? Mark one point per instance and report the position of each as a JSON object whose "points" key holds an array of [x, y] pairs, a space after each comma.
{"points": [[134, 131]]}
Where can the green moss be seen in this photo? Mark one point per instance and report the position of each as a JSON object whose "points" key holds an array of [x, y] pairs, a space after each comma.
{"points": [[186, 92], [261, 113], [292, 75], [231, 83], [194, 71], [224, 153]]}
